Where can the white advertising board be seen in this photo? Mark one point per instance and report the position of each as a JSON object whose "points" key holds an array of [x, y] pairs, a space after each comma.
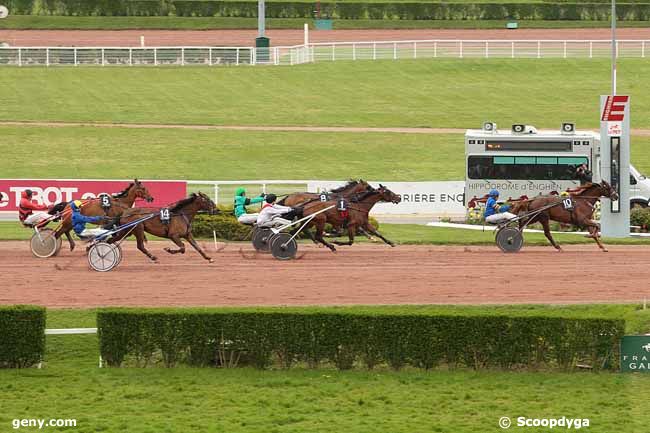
{"points": [[439, 199]]}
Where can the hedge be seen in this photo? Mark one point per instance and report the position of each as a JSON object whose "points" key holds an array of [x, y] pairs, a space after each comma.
{"points": [[556, 10], [313, 336], [22, 335]]}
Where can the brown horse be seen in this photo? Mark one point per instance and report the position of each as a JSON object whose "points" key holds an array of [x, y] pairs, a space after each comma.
{"points": [[581, 215], [119, 202], [181, 215], [347, 191], [356, 218]]}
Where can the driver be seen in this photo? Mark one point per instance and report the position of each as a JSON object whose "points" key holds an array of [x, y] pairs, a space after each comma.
{"points": [[27, 207], [79, 222], [241, 201], [494, 212], [271, 213]]}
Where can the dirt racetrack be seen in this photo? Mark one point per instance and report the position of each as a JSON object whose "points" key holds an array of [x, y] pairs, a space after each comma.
{"points": [[362, 274], [131, 38]]}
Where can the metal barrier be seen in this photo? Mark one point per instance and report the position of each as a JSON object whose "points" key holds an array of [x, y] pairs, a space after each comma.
{"points": [[316, 52]]}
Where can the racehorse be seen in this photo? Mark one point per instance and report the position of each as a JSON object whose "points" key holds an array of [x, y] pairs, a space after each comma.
{"points": [[347, 191], [118, 203], [581, 214], [179, 226], [355, 218]]}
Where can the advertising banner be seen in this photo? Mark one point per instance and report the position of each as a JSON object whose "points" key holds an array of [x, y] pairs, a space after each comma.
{"points": [[50, 192], [635, 353], [441, 199]]}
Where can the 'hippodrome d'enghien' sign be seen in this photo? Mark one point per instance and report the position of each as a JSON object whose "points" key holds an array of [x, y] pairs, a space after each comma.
{"points": [[635, 353]]}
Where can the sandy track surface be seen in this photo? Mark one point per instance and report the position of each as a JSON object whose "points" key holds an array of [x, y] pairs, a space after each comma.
{"points": [[363, 274], [131, 38], [639, 132]]}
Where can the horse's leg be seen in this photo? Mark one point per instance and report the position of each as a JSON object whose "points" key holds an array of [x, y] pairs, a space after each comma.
{"points": [[365, 233], [374, 231], [70, 240], [320, 229], [139, 236], [593, 228], [547, 232], [351, 231], [177, 240], [196, 246]]}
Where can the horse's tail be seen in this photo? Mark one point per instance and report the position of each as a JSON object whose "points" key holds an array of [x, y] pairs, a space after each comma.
{"points": [[57, 208]]}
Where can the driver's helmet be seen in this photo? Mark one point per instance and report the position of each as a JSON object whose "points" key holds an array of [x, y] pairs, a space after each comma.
{"points": [[494, 193]]}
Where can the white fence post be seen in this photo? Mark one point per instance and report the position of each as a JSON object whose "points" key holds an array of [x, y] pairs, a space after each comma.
{"points": [[374, 51], [20, 57], [394, 50], [415, 50], [591, 49], [75, 57], [565, 49], [103, 58], [130, 56], [539, 49], [210, 56], [183, 56], [277, 55], [435, 50], [354, 51], [47, 57], [642, 48], [155, 56], [461, 50], [512, 50], [487, 53], [216, 194], [333, 52]]}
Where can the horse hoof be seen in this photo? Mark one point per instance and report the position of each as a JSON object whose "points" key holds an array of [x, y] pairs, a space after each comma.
{"points": [[210, 261], [167, 250], [71, 248], [605, 250]]}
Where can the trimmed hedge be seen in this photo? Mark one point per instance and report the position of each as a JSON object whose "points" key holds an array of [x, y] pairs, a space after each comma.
{"points": [[22, 335], [640, 217], [264, 337], [556, 10]]}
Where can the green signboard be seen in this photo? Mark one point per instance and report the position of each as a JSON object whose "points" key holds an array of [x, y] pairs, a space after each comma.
{"points": [[635, 353]]}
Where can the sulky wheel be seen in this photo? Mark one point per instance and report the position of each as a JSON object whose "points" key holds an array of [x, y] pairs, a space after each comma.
{"points": [[509, 239], [283, 247], [44, 243], [118, 250], [261, 239], [102, 257]]}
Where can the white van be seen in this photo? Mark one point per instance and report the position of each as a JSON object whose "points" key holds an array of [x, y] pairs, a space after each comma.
{"points": [[639, 188]]}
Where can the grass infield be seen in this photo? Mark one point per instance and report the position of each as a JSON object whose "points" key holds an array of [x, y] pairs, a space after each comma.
{"points": [[460, 93], [70, 386]]}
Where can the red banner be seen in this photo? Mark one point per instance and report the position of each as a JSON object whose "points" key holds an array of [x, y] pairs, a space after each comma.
{"points": [[50, 192]]}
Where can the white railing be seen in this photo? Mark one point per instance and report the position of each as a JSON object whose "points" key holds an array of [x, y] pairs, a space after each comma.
{"points": [[447, 48], [316, 52]]}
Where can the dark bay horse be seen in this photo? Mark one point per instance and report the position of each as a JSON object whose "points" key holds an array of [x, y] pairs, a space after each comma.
{"points": [[119, 202], [347, 191], [357, 215], [181, 215], [581, 215]]}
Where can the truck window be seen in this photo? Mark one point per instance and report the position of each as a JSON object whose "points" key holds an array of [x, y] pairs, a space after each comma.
{"points": [[523, 167]]}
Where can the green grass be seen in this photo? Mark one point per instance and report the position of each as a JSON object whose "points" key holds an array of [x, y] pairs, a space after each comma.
{"points": [[411, 234], [186, 400], [41, 22], [434, 93], [82, 152]]}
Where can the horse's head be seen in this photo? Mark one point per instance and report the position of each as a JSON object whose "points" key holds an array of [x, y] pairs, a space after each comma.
{"points": [[606, 190], [388, 195], [205, 203], [140, 191]]}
